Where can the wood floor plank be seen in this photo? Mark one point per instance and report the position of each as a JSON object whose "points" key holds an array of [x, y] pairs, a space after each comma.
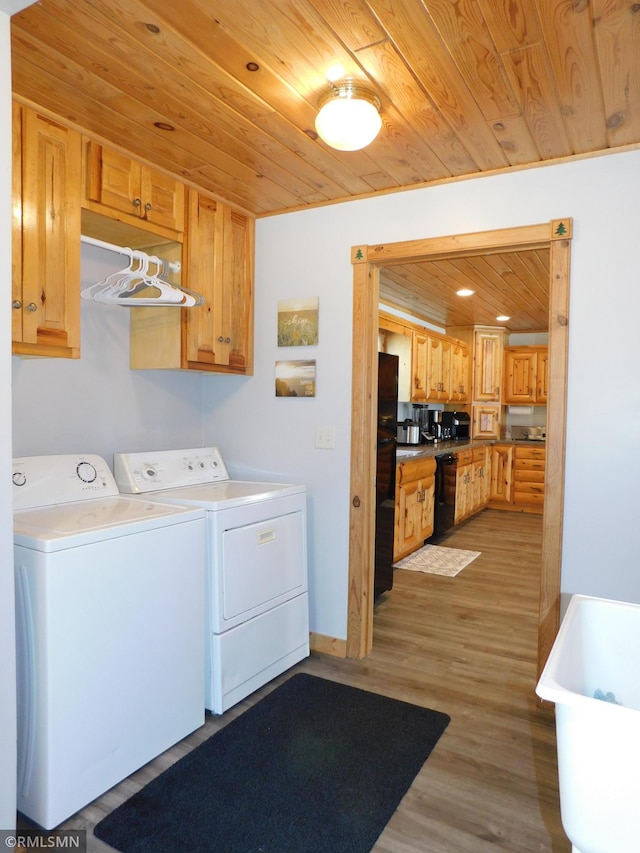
{"points": [[466, 646]]}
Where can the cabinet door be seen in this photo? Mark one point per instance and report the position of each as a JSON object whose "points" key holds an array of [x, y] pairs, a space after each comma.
{"points": [[488, 355], [219, 333], [408, 521], [16, 225], [459, 374], [438, 369], [501, 473], [542, 376], [419, 358], [486, 421], [115, 182], [520, 376], [50, 236], [464, 491], [426, 507]]}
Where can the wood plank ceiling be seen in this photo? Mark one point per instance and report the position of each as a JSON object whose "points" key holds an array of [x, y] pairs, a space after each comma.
{"points": [[223, 93]]}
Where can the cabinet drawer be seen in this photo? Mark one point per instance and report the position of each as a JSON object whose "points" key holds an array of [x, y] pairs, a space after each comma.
{"points": [[417, 469], [527, 476], [464, 457], [479, 454], [528, 465], [534, 496], [531, 453]]}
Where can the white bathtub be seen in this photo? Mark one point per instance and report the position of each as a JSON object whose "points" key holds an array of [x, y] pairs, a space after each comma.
{"points": [[597, 648]]}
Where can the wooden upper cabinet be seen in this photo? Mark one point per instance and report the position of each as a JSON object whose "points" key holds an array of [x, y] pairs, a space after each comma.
{"points": [[419, 366], [487, 368], [459, 374], [216, 336], [438, 369], [116, 184], [220, 250], [525, 371], [45, 236]]}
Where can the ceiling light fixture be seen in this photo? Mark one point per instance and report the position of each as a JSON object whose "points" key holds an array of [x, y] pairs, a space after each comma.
{"points": [[502, 318], [465, 291], [349, 116]]}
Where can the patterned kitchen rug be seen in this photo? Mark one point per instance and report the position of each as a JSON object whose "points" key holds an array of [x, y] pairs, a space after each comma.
{"points": [[436, 560]]}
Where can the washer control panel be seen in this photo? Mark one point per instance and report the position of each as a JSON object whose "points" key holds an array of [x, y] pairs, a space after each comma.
{"points": [[58, 479], [137, 473]]}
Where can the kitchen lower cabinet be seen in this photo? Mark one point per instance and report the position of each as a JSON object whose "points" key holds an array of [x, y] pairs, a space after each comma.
{"points": [[472, 482], [45, 236], [501, 473], [528, 478], [216, 336], [415, 492], [518, 477]]}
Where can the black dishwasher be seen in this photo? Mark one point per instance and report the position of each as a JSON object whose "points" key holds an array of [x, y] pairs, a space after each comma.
{"points": [[445, 494]]}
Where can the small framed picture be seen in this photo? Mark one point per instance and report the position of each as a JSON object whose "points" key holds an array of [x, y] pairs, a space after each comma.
{"points": [[296, 378], [298, 322]]}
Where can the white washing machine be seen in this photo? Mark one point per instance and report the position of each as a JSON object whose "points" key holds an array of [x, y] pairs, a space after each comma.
{"points": [[110, 614], [257, 596]]}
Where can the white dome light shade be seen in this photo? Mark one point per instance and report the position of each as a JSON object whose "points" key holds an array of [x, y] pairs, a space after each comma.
{"points": [[349, 117]]}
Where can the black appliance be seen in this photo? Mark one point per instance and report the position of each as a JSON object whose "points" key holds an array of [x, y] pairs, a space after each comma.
{"points": [[386, 471], [445, 495], [456, 425]]}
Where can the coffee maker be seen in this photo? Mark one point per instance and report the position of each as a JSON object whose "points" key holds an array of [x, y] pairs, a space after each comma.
{"points": [[421, 415], [435, 426]]}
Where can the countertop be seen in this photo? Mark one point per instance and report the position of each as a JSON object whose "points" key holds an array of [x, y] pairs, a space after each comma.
{"points": [[441, 447]]}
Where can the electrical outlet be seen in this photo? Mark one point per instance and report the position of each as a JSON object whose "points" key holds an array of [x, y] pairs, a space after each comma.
{"points": [[326, 437]]}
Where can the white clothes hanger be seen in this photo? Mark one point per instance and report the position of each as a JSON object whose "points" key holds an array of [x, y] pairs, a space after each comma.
{"points": [[135, 286]]}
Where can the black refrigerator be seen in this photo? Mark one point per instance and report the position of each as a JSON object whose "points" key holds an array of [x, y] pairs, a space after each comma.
{"points": [[386, 470]]}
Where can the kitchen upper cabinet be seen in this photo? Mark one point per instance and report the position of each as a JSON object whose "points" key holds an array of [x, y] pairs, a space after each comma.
{"points": [[525, 375], [438, 369], [459, 374], [485, 421], [415, 492], [419, 367], [116, 185], [218, 335], [45, 236], [487, 369]]}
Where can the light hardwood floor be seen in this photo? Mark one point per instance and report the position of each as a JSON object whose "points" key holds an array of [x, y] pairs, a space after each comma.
{"points": [[465, 646]]}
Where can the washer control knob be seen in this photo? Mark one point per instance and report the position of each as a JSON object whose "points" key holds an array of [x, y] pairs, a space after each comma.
{"points": [[86, 472], [149, 472], [19, 478]]}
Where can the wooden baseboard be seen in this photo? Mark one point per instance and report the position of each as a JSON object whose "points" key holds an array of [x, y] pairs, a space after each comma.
{"points": [[327, 645]]}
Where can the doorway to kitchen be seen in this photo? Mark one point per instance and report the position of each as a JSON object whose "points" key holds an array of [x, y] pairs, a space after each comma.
{"points": [[367, 262]]}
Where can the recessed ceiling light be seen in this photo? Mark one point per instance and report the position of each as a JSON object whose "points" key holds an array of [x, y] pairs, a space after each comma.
{"points": [[465, 292], [502, 318]]}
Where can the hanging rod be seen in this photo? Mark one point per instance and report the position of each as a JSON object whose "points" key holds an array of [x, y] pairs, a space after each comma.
{"points": [[174, 266]]}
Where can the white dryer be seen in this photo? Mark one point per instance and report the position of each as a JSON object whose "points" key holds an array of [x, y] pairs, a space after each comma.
{"points": [[257, 595], [110, 615]]}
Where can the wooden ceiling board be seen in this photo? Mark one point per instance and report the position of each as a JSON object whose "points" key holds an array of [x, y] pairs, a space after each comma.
{"points": [[467, 87], [511, 283]]}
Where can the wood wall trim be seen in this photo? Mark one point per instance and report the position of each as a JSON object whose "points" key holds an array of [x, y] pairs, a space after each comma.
{"points": [[364, 377], [323, 645]]}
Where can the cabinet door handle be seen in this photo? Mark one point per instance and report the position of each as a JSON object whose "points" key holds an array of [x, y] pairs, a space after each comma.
{"points": [[16, 303], [222, 340], [147, 206], [136, 202], [32, 307]]}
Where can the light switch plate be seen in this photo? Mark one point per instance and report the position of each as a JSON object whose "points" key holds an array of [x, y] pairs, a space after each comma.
{"points": [[326, 437]]}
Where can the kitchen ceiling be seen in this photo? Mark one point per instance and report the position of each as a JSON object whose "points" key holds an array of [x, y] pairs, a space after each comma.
{"points": [[515, 284], [224, 93]]}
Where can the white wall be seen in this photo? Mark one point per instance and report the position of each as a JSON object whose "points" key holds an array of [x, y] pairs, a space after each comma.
{"points": [[95, 404], [307, 253], [7, 654]]}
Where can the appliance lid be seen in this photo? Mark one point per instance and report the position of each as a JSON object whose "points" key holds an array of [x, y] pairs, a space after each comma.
{"points": [[63, 526], [230, 493]]}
